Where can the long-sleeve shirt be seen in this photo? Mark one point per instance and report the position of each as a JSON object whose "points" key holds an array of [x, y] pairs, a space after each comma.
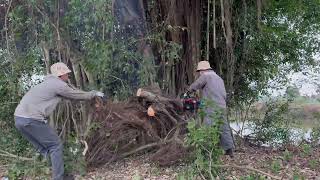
{"points": [[41, 100], [212, 87]]}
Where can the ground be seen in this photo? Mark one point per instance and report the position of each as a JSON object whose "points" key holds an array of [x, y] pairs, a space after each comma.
{"points": [[295, 163], [138, 167], [2, 170]]}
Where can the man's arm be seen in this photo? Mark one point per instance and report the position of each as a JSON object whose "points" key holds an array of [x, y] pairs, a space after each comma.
{"points": [[68, 92], [198, 84]]}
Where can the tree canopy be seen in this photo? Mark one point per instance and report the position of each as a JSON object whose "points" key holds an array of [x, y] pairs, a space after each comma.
{"points": [[119, 46]]}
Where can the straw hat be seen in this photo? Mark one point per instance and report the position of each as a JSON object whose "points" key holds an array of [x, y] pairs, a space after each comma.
{"points": [[203, 65], [59, 69]]}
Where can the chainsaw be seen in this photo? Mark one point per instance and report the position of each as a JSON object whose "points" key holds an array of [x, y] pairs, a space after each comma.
{"points": [[190, 103]]}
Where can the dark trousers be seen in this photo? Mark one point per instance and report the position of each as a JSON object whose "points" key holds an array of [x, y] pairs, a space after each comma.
{"points": [[45, 140]]}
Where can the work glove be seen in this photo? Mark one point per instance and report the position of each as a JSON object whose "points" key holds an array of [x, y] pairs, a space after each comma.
{"points": [[98, 94], [186, 94]]}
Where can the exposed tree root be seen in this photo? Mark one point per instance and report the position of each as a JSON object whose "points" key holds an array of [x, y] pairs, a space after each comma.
{"points": [[126, 128]]}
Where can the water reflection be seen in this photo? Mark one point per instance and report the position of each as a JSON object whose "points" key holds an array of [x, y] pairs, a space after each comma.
{"points": [[296, 135]]}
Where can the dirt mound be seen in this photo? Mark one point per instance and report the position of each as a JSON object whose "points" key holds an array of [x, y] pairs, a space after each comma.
{"points": [[125, 128]]}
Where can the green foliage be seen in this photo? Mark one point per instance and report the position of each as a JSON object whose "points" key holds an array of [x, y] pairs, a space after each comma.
{"points": [[253, 177], [86, 27], [90, 24], [276, 166], [73, 158], [35, 170], [284, 43], [137, 177], [313, 163], [187, 174], [15, 75], [172, 52], [315, 134], [297, 176], [306, 149], [39, 167], [107, 52], [287, 30], [287, 155], [205, 141], [19, 60], [273, 128], [292, 92]]}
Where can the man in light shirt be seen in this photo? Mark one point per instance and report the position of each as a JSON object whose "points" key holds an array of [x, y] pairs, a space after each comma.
{"points": [[36, 106]]}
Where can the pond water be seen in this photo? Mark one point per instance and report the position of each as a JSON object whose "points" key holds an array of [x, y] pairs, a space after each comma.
{"points": [[296, 134]]}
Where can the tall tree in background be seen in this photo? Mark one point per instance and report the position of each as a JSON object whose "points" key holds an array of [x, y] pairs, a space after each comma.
{"points": [[252, 41], [118, 46]]}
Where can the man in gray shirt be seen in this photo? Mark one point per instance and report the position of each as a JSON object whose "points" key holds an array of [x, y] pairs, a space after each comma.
{"points": [[36, 106], [212, 88]]}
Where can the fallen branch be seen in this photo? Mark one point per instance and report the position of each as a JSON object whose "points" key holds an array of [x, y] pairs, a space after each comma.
{"points": [[247, 168], [7, 154], [151, 96]]}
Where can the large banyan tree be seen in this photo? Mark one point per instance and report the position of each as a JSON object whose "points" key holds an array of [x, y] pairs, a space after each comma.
{"points": [[120, 45]]}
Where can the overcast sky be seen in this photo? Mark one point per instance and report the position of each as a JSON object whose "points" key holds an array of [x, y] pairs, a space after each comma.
{"points": [[307, 82]]}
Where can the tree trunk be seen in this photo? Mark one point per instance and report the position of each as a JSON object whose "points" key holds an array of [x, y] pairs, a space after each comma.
{"points": [[185, 19]]}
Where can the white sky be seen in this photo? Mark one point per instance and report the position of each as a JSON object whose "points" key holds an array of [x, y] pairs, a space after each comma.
{"points": [[308, 82]]}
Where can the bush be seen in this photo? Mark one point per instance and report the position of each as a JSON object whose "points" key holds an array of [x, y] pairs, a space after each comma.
{"points": [[205, 141], [273, 128], [29, 169], [74, 161]]}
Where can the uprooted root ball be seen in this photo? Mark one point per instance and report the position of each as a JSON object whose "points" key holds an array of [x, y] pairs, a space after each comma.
{"points": [[125, 128]]}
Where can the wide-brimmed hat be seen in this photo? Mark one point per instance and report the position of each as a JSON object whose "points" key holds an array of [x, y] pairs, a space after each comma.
{"points": [[203, 65], [59, 69]]}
